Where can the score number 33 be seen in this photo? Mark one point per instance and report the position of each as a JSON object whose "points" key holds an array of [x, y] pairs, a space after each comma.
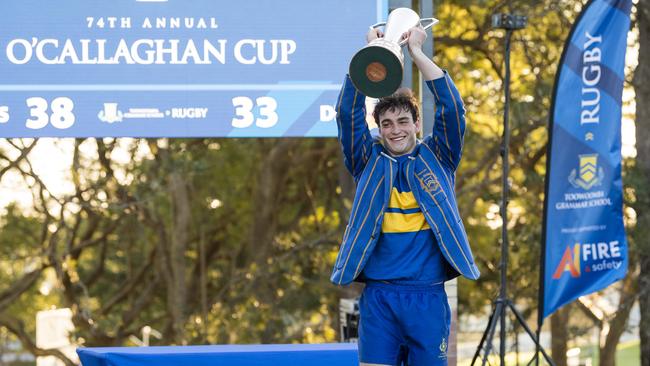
{"points": [[244, 111]]}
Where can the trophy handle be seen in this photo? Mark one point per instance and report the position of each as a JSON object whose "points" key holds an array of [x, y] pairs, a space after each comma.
{"points": [[433, 21]]}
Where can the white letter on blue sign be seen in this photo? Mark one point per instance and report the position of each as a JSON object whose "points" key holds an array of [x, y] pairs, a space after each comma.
{"points": [[327, 113], [28, 51], [4, 114], [238, 55]]}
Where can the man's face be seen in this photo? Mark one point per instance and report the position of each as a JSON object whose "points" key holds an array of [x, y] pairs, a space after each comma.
{"points": [[398, 131]]}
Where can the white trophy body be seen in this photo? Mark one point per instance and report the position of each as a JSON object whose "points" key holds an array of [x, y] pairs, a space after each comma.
{"points": [[377, 69]]}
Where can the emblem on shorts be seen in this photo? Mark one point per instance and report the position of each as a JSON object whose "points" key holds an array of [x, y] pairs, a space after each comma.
{"points": [[428, 181], [443, 346], [443, 349]]}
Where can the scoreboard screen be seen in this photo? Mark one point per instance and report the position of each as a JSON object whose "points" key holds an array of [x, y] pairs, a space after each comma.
{"points": [[177, 68]]}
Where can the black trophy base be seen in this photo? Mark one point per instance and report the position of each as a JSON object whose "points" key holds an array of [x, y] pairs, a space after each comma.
{"points": [[376, 71]]}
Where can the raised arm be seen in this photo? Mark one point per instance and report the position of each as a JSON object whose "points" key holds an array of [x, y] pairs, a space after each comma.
{"points": [[416, 37], [449, 125], [354, 135]]}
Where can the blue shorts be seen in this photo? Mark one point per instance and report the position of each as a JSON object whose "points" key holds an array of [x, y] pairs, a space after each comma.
{"points": [[404, 323]]}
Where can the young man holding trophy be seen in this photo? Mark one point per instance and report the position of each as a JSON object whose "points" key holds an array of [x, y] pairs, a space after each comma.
{"points": [[405, 237]]}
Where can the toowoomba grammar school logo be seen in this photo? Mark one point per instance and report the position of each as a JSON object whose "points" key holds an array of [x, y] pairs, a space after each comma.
{"points": [[590, 174]]}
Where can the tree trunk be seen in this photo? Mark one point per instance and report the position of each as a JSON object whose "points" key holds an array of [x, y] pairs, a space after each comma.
{"points": [[271, 179], [177, 295], [559, 336], [644, 304], [618, 323], [267, 195], [172, 241], [642, 89]]}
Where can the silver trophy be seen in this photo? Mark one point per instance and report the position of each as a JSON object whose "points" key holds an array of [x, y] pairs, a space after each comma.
{"points": [[377, 69]]}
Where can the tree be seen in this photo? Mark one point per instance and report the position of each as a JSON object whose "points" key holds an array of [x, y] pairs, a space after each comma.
{"points": [[196, 238], [473, 51], [641, 173]]}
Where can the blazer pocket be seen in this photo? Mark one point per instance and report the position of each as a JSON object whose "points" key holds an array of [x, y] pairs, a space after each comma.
{"points": [[344, 250]]}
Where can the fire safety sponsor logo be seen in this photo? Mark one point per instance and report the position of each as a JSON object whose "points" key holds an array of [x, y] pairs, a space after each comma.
{"points": [[581, 258]]}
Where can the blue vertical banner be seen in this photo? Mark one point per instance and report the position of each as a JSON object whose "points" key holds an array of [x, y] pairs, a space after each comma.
{"points": [[584, 247], [177, 68]]}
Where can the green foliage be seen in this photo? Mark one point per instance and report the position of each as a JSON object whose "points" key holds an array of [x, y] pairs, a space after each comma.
{"points": [[473, 53], [265, 221]]}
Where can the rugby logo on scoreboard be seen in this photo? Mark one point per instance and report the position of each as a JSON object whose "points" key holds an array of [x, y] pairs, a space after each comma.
{"points": [[110, 113]]}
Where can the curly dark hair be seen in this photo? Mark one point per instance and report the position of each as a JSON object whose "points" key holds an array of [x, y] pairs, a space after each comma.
{"points": [[402, 99]]}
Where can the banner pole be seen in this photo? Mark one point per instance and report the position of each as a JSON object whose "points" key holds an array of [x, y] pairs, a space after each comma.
{"points": [[549, 145]]}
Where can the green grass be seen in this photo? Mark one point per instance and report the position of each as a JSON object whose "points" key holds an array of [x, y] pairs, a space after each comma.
{"points": [[627, 354]]}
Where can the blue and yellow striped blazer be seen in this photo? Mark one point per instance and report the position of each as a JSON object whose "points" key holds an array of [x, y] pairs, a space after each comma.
{"points": [[430, 174]]}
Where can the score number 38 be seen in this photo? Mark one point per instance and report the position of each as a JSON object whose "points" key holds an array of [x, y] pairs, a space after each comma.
{"points": [[61, 116], [244, 112]]}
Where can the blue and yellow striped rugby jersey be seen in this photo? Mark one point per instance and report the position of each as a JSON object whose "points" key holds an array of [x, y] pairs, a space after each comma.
{"points": [[407, 251]]}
